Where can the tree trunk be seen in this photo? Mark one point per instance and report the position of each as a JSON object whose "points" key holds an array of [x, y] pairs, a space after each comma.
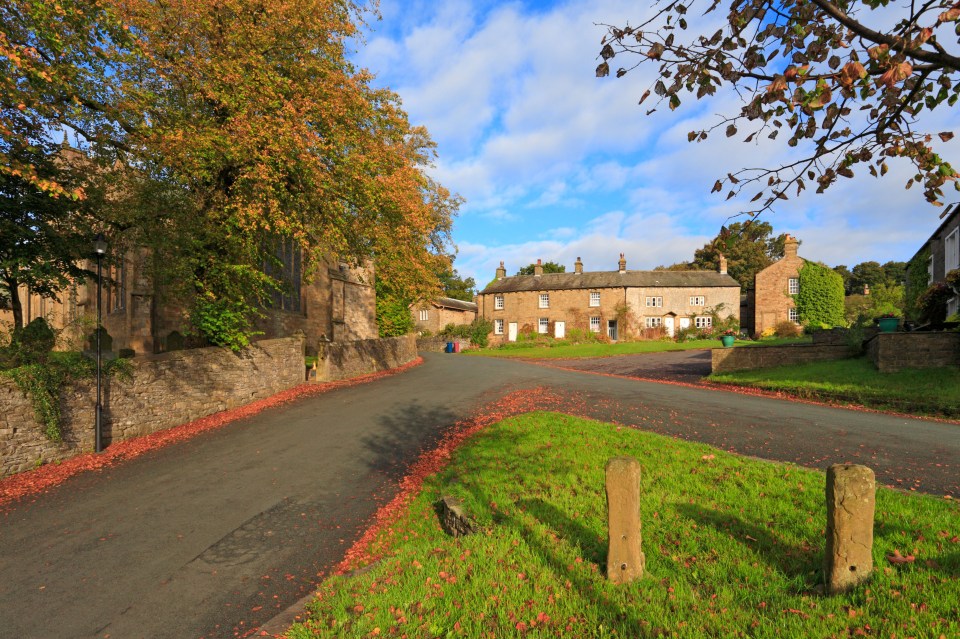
{"points": [[13, 287]]}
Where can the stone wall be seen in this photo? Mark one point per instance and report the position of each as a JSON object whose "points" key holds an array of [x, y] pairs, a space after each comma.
{"points": [[891, 352], [728, 360], [165, 390], [344, 360], [437, 344]]}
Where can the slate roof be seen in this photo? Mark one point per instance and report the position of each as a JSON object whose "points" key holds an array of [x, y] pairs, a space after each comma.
{"points": [[610, 279], [460, 305]]}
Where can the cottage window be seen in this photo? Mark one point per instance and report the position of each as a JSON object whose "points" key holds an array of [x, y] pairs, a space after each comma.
{"points": [[794, 317], [498, 302], [595, 298], [697, 300], [595, 324], [544, 300], [654, 322], [793, 286], [498, 327], [424, 316], [703, 322], [654, 302], [544, 325], [951, 251]]}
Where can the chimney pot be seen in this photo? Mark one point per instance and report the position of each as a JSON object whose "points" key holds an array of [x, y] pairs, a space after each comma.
{"points": [[578, 267], [723, 265], [623, 264], [501, 271], [538, 269]]}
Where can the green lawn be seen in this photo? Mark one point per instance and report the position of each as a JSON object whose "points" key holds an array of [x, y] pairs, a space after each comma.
{"points": [[563, 350], [734, 547], [926, 391]]}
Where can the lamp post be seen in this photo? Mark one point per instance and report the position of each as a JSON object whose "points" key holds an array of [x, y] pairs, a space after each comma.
{"points": [[100, 248]]}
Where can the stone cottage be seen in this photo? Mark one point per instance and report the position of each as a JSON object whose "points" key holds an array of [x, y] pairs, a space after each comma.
{"points": [[942, 253], [611, 302], [771, 300], [436, 314]]}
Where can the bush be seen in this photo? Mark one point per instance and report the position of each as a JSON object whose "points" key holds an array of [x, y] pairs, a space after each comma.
{"points": [[786, 328], [33, 343]]}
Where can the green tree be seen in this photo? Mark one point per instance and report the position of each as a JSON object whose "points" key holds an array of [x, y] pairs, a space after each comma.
{"points": [[749, 248], [820, 301], [457, 287], [895, 272], [866, 274], [393, 310], [548, 267], [840, 80], [844, 272]]}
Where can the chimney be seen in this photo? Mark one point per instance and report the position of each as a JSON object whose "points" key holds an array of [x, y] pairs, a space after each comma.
{"points": [[538, 269], [623, 264], [578, 267], [723, 265], [501, 272], [866, 289], [790, 246]]}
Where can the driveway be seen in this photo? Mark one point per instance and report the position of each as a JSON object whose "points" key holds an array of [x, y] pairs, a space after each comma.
{"points": [[213, 536], [681, 366]]}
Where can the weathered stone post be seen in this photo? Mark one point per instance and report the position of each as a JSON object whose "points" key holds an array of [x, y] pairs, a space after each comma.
{"points": [[851, 502], [625, 560]]}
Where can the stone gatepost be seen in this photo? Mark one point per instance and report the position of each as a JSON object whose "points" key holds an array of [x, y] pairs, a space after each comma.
{"points": [[851, 501], [625, 559]]}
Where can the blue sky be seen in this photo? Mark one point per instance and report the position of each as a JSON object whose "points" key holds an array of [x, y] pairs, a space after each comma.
{"points": [[555, 163]]}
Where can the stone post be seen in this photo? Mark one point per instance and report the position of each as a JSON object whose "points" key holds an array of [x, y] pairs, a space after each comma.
{"points": [[625, 560], [851, 501]]}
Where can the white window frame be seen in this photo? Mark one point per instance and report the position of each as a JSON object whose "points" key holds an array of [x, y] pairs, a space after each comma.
{"points": [[698, 300], [424, 315], [498, 302], [951, 251], [653, 322], [594, 298], [930, 270], [654, 302], [543, 326], [498, 327], [595, 324], [793, 315], [544, 300], [793, 286], [703, 321]]}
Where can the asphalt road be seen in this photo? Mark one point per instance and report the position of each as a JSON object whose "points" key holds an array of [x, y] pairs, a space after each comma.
{"points": [[213, 536]]}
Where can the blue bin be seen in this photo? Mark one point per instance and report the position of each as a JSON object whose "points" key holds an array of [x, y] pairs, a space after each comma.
{"points": [[449, 348]]}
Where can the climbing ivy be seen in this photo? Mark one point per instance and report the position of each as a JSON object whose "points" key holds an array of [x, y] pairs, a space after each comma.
{"points": [[820, 300], [917, 276]]}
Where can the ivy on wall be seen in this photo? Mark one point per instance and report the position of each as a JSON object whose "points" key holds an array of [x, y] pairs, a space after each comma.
{"points": [[820, 300], [917, 276]]}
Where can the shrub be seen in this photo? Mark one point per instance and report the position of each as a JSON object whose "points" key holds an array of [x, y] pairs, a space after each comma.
{"points": [[932, 303], [786, 328], [33, 343], [820, 300]]}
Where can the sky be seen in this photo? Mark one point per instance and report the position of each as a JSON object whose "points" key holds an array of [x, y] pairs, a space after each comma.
{"points": [[554, 163]]}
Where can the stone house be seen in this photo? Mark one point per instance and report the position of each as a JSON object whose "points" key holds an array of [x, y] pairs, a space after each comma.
{"points": [[338, 304], [617, 303], [436, 314], [943, 253], [771, 300]]}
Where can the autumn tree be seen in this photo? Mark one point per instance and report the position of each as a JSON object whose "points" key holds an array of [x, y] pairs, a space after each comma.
{"points": [[749, 247], [842, 81], [548, 267]]}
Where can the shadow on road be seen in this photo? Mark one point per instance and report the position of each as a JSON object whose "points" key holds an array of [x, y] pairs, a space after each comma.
{"points": [[409, 430]]}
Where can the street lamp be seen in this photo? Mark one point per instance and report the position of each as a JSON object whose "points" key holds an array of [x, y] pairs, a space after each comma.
{"points": [[100, 248]]}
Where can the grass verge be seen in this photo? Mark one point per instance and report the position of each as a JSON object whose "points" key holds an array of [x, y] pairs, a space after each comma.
{"points": [[930, 391], [733, 546], [562, 350]]}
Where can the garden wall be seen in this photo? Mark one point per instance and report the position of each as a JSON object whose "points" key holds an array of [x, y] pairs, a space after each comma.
{"points": [[343, 360], [891, 352], [165, 390], [728, 360], [437, 344]]}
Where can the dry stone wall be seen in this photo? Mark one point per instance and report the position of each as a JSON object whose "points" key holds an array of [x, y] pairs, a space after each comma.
{"points": [[344, 360], [891, 352], [165, 390], [728, 360]]}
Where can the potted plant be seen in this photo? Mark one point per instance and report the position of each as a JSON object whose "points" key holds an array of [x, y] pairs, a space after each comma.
{"points": [[727, 337], [888, 322]]}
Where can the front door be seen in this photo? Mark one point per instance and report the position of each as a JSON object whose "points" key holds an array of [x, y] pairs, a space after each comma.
{"points": [[512, 332], [612, 329], [559, 330], [668, 325]]}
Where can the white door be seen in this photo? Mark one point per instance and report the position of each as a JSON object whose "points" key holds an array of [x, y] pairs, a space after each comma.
{"points": [[512, 332], [684, 323], [559, 330], [668, 325]]}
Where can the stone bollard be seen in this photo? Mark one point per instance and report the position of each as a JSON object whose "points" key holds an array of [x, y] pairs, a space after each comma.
{"points": [[625, 560], [851, 501]]}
